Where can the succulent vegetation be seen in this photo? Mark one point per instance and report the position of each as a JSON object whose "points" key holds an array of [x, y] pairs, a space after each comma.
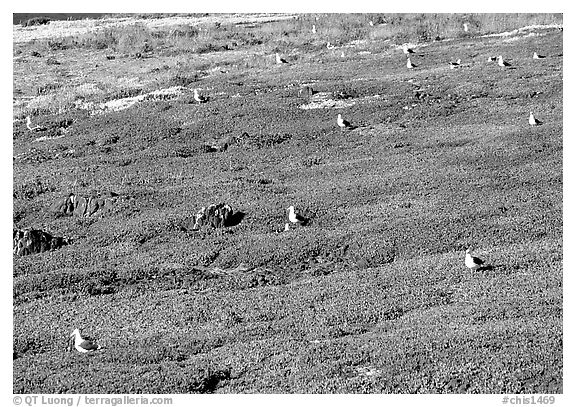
{"points": [[373, 295]]}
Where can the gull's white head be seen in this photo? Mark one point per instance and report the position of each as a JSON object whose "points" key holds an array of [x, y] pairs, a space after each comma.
{"points": [[459, 61], [75, 333]]}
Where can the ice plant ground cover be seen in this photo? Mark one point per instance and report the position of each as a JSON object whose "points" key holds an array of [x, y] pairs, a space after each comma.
{"points": [[373, 294]]}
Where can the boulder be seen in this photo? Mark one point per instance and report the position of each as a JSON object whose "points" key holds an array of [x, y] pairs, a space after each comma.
{"points": [[31, 241], [82, 206], [306, 91], [214, 216]]}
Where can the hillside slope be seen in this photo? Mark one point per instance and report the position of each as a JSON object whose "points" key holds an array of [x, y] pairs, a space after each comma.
{"points": [[372, 296]]}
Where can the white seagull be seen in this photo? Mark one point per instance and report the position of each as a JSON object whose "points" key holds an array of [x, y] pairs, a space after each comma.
{"points": [[313, 29], [295, 217], [330, 46], [343, 123], [533, 121], [286, 227], [280, 60], [409, 64], [35, 128], [198, 98], [342, 54], [407, 50], [455, 64], [536, 56], [83, 345], [501, 62], [465, 27], [473, 263]]}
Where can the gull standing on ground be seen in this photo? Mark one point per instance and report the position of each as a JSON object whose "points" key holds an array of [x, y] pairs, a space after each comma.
{"points": [[198, 98], [407, 50], [501, 62], [313, 29], [296, 218], [465, 27], [35, 128], [409, 64], [343, 123], [280, 60], [533, 121], [473, 263], [83, 345], [286, 227], [29, 123], [455, 64], [536, 56]]}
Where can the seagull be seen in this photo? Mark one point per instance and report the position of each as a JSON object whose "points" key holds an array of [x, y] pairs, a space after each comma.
{"points": [[473, 263], [371, 23], [407, 50], [536, 56], [465, 27], [342, 54], [198, 98], [330, 46], [343, 123], [35, 128], [83, 345], [295, 217], [280, 60], [29, 123], [286, 227], [409, 64], [534, 121], [501, 61], [455, 64], [313, 29]]}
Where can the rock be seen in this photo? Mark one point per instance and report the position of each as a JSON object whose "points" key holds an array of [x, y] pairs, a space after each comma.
{"points": [[31, 241], [82, 206], [64, 205], [215, 216], [306, 91]]}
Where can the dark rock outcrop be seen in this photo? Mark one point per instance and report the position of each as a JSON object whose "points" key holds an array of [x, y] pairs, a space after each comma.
{"points": [[82, 206], [31, 241], [215, 216]]}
